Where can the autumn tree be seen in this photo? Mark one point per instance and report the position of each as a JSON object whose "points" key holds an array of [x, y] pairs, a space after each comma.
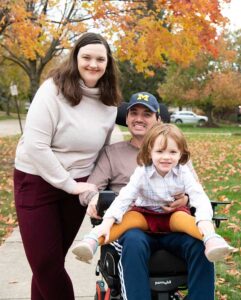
{"points": [[133, 81], [147, 33], [5, 15], [160, 31], [210, 83], [235, 44], [41, 30], [12, 74]]}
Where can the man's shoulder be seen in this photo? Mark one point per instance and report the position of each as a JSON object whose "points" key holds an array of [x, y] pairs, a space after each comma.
{"points": [[120, 151], [118, 146]]}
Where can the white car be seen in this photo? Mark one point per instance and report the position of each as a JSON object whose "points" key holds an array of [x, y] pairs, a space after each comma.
{"points": [[188, 117]]}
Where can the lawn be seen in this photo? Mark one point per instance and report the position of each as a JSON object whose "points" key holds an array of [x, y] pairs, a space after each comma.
{"points": [[217, 160]]}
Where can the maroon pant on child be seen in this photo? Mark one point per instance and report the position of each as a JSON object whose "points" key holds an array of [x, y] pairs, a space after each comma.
{"points": [[49, 220]]}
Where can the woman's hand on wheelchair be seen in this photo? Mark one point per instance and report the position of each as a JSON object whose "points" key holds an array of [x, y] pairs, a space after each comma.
{"points": [[180, 200]]}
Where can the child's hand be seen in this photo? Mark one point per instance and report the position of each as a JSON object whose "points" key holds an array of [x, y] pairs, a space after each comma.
{"points": [[180, 200], [104, 228]]}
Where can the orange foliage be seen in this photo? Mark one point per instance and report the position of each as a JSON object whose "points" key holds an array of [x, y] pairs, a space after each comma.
{"points": [[224, 88], [177, 30]]}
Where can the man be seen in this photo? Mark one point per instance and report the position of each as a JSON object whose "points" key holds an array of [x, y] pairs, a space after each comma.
{"points": [[113, 170]]}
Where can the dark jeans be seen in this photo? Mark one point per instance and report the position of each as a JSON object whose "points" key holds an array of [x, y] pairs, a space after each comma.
{"points": [[136, 248], [49, 220]]}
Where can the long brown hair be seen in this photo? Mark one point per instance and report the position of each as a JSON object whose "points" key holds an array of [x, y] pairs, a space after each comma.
{"points": [[165, 130], [67, 76]]}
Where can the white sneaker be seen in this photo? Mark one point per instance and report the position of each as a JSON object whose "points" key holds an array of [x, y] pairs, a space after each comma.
{"points": [[86, 248], [216, 248]]}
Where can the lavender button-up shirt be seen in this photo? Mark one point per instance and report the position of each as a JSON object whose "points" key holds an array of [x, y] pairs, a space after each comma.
{"points": [[149, 189]]}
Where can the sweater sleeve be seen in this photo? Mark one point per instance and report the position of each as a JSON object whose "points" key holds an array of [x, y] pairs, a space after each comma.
{"points": [[40, 127], [197, 197], [126, 197], [100, 177]]}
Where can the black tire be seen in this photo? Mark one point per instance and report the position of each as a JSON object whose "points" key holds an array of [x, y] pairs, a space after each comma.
{"points": [[178, 121], [201, 122]]}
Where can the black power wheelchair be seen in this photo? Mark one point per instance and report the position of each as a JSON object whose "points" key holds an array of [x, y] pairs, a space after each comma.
{"points": [[168, 273]]}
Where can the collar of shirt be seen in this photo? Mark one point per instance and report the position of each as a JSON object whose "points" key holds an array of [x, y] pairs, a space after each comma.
{"points": [[151, 171]]}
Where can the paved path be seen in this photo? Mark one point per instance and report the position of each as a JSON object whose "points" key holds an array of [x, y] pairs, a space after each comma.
{"points": [[10, 127], [15, 274]]}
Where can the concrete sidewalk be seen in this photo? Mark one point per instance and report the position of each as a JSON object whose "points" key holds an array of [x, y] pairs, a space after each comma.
{"points": [[10, 127], [15, 273]]}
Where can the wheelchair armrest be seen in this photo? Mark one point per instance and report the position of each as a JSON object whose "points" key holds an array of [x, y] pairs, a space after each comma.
{"points": [[216, 218], [216, 203], [104, 201]]}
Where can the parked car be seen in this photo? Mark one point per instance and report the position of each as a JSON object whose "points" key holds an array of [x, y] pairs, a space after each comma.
{"points": [[27, 105], [188, 117]]}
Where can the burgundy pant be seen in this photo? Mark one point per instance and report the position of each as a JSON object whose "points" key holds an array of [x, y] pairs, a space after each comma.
{"points": [[49, 220]]}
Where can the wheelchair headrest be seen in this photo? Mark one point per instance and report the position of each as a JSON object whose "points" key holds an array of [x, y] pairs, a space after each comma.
{"points": [[122, 110]]}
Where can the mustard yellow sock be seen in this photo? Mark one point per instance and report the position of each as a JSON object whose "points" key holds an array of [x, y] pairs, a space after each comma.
{"points": [[131, 219], [183, 222]]}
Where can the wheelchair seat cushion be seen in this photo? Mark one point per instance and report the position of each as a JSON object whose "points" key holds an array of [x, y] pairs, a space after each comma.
{"points": [[164, 263]]}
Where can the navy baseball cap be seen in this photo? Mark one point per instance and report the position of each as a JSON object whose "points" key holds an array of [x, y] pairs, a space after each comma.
{"points": [[145, 99]]}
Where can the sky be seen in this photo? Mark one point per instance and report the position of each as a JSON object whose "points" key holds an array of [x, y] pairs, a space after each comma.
{"points": [[233, 12]]}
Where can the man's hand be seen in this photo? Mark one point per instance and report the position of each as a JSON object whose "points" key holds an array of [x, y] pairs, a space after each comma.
{"points": [[91, 209], [82, 187], [180, 200]]}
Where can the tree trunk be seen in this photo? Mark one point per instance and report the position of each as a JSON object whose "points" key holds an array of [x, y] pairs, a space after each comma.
{"points": [[209, 114], [208, 109], [34, 76]]}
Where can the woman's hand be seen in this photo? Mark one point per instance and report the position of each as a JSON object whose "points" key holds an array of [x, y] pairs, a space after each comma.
{"points": [[82, 187], [180, 200], [91, 209]]}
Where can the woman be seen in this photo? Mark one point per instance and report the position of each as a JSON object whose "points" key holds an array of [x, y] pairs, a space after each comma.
{"points": [[70, 119]]}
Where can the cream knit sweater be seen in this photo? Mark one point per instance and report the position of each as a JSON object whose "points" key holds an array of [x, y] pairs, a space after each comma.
{"points": [[62, 142]]}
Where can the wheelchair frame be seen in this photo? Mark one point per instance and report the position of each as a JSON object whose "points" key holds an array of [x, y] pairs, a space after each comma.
{"points": [[164, 286]]}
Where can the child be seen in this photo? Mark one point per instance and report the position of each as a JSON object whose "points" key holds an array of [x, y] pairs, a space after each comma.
{"points": [[160, 176]]}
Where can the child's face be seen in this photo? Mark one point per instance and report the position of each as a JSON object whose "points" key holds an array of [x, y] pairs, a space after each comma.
{"points": [[165, 159]]}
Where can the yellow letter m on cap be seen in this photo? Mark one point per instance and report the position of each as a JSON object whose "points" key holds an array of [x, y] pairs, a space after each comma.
{"points": [[143, 97]]}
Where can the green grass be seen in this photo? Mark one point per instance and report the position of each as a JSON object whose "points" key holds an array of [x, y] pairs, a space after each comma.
{"points": [[12, 116], [217, 160], [7, 209], [222, 129]]}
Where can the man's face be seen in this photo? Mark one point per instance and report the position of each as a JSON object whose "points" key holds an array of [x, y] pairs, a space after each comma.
{"points": [[139, 120]]}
